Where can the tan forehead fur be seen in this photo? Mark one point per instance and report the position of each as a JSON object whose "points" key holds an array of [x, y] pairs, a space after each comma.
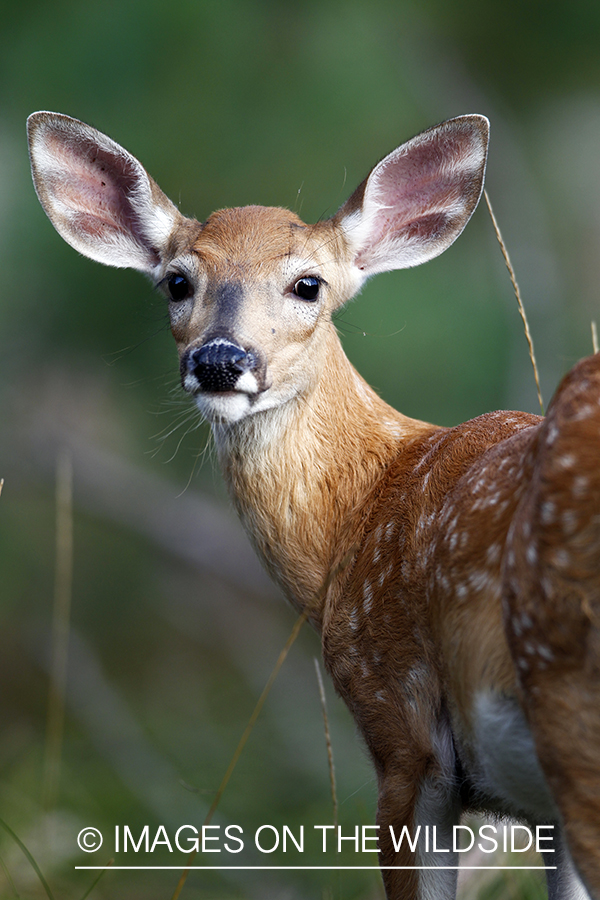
{"points": [[258, 238]]}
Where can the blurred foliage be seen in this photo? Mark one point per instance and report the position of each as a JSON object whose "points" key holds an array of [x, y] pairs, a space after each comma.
{"points": [[227, 103]]}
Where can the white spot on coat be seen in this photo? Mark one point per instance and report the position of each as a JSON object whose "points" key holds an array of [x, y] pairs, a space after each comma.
{"points": [[547, 512], [367, 597]]}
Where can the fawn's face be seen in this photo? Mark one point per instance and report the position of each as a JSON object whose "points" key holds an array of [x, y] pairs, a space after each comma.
{"points": [[252, 289], [250, 306]]}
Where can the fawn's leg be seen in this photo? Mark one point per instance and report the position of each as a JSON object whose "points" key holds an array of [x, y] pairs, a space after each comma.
{"points": [[417, 808], [563, 881]]}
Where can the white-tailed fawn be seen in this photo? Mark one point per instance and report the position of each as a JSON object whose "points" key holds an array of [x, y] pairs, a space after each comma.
{"points": [[460, 617]]}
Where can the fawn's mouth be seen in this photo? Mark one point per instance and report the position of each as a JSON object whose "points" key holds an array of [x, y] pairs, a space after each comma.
{"points": [[227, 407]]}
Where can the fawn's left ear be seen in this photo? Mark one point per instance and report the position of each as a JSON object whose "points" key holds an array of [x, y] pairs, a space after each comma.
{"points": [[98, 196], [418, 199]]}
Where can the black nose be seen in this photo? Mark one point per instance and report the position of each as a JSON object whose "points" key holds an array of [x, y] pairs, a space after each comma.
{"points": [[217, 365]]}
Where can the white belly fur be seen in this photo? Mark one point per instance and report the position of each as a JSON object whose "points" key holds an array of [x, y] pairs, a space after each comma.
{"points": [[507, 769]]}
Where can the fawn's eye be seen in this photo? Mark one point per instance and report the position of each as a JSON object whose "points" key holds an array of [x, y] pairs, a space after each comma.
{"points": [[178, 287], [307, 288]]}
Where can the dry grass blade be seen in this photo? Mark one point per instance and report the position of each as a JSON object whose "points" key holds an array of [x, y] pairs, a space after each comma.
{"points": [[60, 630], [257, 709], [594, 337], [96, 880], [513, 279], [243, 740], [328, 742], [319, 596], [1, 484]]}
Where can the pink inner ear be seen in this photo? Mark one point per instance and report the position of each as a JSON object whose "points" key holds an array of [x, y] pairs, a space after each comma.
{"points": [[426, 176], [95, 185], [422, 194]]}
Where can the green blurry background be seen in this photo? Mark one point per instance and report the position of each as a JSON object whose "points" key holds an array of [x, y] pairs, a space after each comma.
{"points": [[174, 628]]}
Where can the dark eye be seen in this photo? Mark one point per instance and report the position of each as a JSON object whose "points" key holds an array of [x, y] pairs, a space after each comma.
{"points": [[178, 287], [307, 288]]}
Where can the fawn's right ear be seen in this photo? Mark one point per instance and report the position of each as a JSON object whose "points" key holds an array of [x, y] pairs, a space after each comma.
{"points": [[418, 199], [98, 196]]}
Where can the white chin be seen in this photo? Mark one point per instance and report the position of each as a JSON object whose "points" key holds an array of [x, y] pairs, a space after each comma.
{"points": [[224, 408]]}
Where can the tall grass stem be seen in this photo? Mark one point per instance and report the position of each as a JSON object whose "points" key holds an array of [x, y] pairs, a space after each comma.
{"points": [[328, 743], [60, 631], [513, 279], [318, 599]]}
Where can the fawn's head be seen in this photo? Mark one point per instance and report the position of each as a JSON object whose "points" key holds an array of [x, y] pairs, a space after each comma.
{"points": [[251, 291]]}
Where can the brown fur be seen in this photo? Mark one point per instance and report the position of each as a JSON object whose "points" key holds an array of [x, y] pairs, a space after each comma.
{"points": [[465, 561]]}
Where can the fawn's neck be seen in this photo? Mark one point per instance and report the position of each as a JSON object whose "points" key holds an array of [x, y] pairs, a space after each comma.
{"points": [[301, 475]]}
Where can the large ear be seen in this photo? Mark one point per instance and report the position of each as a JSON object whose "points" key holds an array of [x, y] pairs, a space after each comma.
{"points": [[418, 199], [98, 197]]}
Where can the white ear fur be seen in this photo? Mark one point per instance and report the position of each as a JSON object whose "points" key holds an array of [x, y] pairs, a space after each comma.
{"points": [[417, 200], [97, 195]]}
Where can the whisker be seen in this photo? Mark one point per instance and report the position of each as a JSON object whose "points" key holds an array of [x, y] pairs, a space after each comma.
{"points": [[111, 358], [183, 437], [199, 458], [183, 419]]}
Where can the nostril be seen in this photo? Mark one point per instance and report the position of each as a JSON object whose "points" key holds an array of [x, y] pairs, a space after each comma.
{"points": [[246, 361], [223, 354], [218, 364]]}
